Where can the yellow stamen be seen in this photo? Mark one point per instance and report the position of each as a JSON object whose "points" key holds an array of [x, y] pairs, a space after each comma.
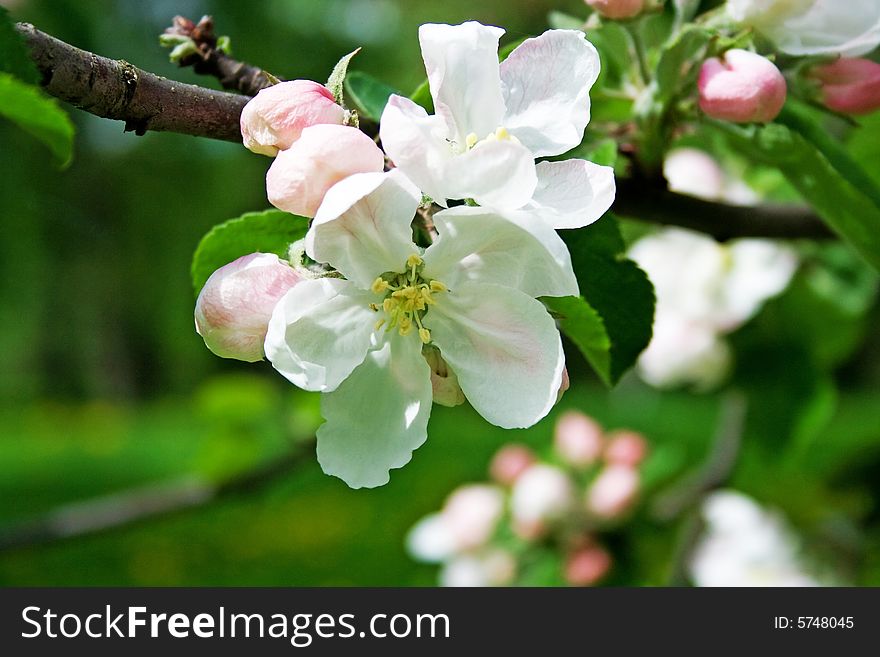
{"points": [[425, 335], [471, 140], [501, 133], [379, 324], [437, 286], [379, 285], [405, 325], [390, 305], [413, 261]]}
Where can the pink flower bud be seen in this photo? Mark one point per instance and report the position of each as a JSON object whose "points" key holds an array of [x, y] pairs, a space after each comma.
{"points": [[617, 9], [276, 117], [322, 156], [613, 491], [542, 494], [233, 309], [472, 513], [587, 566], [626, 447], [850, 86], [510, 462], [741, 87], [577, 439]]}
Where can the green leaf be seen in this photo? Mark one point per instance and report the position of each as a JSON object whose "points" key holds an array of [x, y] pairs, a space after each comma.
{"points": [[679, 63], [271, 231], [368, 94], [847, 210], [422, 96], [37, 114], [337, 77], [583, 326], [559, 20], [617, 290], [14, 56]]}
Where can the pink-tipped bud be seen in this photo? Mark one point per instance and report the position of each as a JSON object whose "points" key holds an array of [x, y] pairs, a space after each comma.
{"points": [[322, 156], [472, 513], [613, 492], [510, 462], [275, 118], [617, 9], [741, 87], [587, 566], [577, 439], [542, 495], [850, 86], [233, 309], [626, 447]]}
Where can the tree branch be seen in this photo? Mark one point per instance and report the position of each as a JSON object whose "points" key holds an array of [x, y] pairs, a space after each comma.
{"points": [[140, 504], [114, 89]]}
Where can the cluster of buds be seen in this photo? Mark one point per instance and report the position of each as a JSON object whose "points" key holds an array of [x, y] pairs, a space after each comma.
{"points": [[617, 9], [489, 534]]}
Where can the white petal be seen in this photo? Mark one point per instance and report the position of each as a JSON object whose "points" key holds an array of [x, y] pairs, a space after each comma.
{"points": [[378, 416], [363, 227], [514, 249], [827, 28], [572, 193], [319, 332], [504, 348], [500, 174], [430, 540], [462, 65], [417, 144], [546, 84]]}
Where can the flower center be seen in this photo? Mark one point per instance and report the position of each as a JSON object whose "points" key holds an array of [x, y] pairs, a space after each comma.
{"points": [[407, 297], [473, 139]]}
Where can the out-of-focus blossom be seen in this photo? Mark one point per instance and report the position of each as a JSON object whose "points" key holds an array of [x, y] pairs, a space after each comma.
{"points": [[813, 27], [626, 447], [541, 495], [617, 9], [233, 309], [492, 120], [275, 118], [587, 565], [742, 87], [746, 545], [577, 439], [490, 568], [613, 491], [849, 86], [510, 462], [300, 176]]}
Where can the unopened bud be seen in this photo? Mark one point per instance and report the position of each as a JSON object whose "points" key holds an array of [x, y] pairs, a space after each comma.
{"points": [[275, 118], [617, 9], [472, 513], [234, 307], [626, 447], [587, 566], [850, 86], [541, 494], [577, 439], [510, 462], [323, 155], [741, 87], [613, 491]]}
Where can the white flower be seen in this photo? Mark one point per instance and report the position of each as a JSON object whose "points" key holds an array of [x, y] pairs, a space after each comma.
{"points": [[745, 545], [813, 27], [491, 568], [493, 120], [704, 290], [542, 494], [471, 295]]}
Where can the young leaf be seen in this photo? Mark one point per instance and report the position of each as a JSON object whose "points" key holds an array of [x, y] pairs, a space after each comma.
{"points": [[368, 94], [676, 68], [337, 77], [35, 113], [583, 326], [271, 231], [422, 96], [848, 211], [617, 290], [14, 57]]}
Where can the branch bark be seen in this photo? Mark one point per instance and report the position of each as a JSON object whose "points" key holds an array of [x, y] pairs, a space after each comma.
{"points": [[115, 89]]}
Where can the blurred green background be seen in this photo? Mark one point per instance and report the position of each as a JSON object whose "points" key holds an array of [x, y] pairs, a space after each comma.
{"points": [[104, 384]]}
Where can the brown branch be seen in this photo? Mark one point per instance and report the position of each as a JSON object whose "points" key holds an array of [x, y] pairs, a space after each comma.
{"points": [[209, 59], [114, 89], [137, 505], [652, 202]]}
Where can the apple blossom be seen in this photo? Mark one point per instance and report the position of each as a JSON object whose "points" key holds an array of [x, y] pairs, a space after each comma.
{"points": [[471, 294], [849, 86], [577, 439], [322, 156], [233, 309], [813, 27], [510, 462], [746, 545], [613, 491], [625, 447], [742, 87], [491, 568], [617, 9], [541, 495], [275, 118], [587, 565], [493, 120]]}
